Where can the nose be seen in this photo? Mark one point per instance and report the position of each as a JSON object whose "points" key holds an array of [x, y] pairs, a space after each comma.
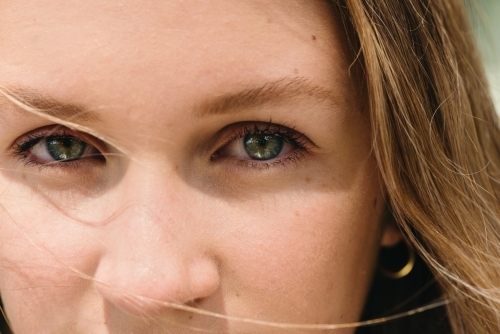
{"points": [[153, 256]]}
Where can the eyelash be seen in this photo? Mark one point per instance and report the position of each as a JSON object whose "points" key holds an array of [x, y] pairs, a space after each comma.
{"points": [[297, 140], [301, 145]]}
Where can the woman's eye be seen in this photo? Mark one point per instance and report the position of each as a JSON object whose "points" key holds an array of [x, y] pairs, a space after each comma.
{"points": [[44, 148], [263, 143]]}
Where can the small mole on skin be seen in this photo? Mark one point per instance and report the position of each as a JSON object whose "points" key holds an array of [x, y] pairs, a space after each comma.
{"points": [[375, 203], [313, 37], [190, 317], [297, 214], [237, 295], [308, 180]]}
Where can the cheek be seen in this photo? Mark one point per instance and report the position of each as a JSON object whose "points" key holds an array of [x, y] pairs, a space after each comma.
{"points": [[45, 259], [312, 253]]}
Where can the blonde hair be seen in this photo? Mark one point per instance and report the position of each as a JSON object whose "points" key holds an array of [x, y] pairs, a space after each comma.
{"points": [[437, 143]]}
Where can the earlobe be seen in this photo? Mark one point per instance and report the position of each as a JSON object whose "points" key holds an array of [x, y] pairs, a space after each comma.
{"points": [[390, 235]]}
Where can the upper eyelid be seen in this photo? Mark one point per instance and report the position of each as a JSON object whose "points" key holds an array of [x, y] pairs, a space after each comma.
{"points": [[273, 129]]}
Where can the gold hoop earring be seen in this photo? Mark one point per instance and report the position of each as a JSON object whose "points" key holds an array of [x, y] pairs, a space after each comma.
{"points": [[405, 270]]}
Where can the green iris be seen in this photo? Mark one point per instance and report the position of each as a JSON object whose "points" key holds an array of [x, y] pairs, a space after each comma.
{"points": [[262, 146], [65, 148]]}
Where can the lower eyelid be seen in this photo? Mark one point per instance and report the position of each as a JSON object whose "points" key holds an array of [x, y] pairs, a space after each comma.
{"points": [[292, 158]]}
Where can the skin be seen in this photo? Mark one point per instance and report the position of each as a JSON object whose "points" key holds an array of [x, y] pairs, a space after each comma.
{"points": [[112, 246]]}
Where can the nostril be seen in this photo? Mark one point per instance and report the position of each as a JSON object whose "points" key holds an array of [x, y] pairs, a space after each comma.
{"points": [[195, 302]]}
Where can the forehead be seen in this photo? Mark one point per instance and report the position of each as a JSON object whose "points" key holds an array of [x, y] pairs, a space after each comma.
{"points": [[104, 49]]}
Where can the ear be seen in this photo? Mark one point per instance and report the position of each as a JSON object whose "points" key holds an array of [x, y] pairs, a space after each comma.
{"points": [[390, 235]]}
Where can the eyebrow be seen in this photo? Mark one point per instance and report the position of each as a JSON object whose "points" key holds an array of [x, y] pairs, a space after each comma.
{"points": [[26, 97], [272, 93], [276, 92]]}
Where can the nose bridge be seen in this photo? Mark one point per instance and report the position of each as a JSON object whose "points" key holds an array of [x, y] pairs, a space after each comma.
{"points": [[152, 207], [153, 185], [150, 257]]}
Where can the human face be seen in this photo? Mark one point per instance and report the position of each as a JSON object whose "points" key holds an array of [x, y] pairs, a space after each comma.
{"points": [[172, 206]]}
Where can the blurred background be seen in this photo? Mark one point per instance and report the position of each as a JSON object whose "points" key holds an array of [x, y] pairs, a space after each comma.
{"points": [[487, 25]]}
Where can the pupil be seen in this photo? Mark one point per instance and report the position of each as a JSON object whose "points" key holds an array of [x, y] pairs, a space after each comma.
{"points": [[262, 142], [263, 147], [65, 148]]}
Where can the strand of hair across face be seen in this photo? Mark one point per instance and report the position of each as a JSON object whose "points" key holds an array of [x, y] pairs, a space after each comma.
{"points": [[364, 323]]}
